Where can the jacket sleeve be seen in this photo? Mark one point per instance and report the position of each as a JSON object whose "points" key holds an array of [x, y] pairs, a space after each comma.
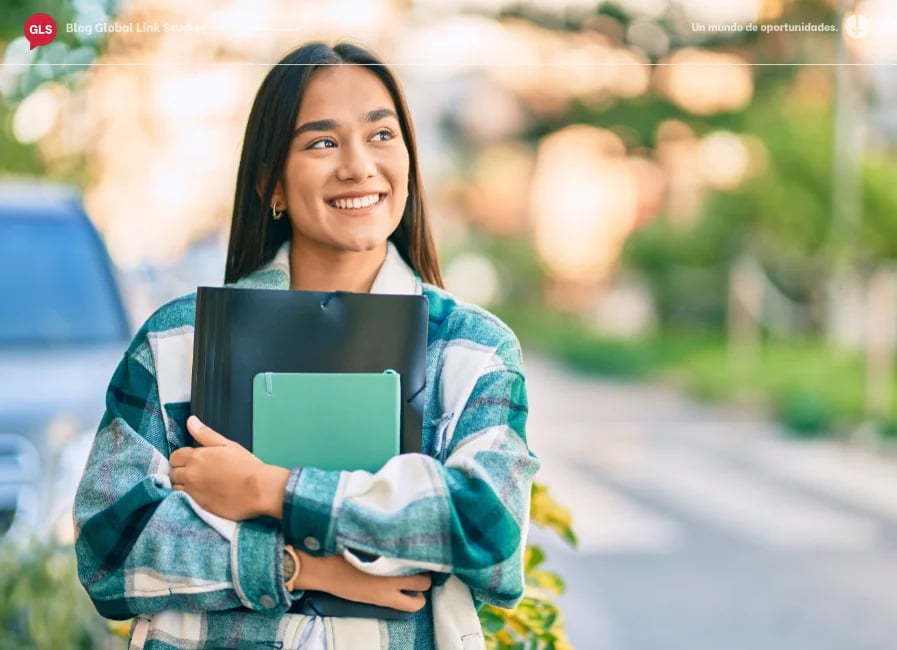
{"points": [[464, 513], [143, 547]]}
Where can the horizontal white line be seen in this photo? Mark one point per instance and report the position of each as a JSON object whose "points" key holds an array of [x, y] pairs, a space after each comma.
{"points": [[571, 66]]}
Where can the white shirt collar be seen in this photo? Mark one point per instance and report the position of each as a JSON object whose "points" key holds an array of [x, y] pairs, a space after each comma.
{"points": [[395, 276]]}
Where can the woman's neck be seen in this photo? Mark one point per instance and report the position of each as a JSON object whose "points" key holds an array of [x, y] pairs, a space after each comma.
{"points": [[334, 270]]}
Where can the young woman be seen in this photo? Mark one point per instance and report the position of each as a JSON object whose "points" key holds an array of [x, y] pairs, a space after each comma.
{"points": [[328, 198]]}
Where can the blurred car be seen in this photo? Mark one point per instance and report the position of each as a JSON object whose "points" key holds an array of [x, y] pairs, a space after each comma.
{"points": [[63, 330]]}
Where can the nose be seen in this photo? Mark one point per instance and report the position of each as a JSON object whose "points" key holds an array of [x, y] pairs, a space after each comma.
{"points": [[356, 163]]}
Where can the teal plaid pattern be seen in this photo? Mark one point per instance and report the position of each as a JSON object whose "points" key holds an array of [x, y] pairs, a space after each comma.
{"points": [[459, 508]]}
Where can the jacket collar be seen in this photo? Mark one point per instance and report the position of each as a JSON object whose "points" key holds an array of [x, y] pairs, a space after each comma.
{"points": [[394, 277]]}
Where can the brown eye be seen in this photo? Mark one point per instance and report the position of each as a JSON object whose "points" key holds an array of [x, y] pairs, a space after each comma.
{"points": [[384, 135], [323, 143]]}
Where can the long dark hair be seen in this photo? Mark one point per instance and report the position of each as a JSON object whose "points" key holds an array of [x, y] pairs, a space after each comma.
{"points": [[255, 237]]}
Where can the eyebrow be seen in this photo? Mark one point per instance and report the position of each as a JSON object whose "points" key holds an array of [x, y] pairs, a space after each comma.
{"points": [[331, 125]]}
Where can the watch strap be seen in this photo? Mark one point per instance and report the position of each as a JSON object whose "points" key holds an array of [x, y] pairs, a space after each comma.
{"points": [[290, 581]]}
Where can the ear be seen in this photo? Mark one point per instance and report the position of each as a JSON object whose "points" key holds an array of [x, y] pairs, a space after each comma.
{"points": [[277, 199], [261, 181]]}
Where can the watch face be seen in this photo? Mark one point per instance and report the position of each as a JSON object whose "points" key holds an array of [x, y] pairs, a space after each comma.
{"points": [[289, 566]]}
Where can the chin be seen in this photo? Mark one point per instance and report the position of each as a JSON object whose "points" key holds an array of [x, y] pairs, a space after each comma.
{"points": [[363, 245], [362, 242]]}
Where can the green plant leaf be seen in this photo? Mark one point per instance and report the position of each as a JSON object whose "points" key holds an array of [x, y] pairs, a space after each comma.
{"points": [[532, 557], [491, 621], [546, 581], [548, 513]]}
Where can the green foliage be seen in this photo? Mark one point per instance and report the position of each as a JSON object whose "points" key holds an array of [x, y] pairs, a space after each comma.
{"points": [[888, 429], [687, 268], [42, 605], [636, 120], [565, 337], [536, 623], [547, 513], [810, 387], [16, 158], [781, 216], [16, 12], [878, 229], [791, 200], [66, 59], [806, 412]]}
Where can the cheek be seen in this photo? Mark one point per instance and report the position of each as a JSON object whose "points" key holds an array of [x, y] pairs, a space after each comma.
{"points": [[400, 181], [401, 194], [302, 181]]}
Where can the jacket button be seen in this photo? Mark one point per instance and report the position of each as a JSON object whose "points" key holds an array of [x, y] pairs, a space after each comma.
{"points": [[312, 544], [267, 602]]}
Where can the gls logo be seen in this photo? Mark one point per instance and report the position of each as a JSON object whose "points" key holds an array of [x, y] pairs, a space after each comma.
{"points": [[40, 29]]}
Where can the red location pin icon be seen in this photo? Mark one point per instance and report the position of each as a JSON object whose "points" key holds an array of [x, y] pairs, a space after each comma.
{"points": [[40, 29]]}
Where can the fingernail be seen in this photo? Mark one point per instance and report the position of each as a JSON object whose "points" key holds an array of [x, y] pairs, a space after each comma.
{"points": [[192, 421]]}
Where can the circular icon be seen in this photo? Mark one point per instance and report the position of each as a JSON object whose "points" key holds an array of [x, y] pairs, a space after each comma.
{"points": [[856, 26], [40, 29]]}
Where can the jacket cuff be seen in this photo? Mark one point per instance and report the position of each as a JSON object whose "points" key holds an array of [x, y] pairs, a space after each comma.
{"points": [[257, 567], [308, 510]]}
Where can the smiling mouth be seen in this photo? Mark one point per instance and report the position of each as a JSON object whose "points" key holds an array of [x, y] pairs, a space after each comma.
{"points": [[357, 203]]}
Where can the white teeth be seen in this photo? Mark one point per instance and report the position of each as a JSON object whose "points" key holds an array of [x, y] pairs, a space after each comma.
{"points": [[360, 202]]}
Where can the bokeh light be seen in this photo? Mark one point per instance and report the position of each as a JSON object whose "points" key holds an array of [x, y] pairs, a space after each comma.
{"points": [[584, 202], [705, 82]]}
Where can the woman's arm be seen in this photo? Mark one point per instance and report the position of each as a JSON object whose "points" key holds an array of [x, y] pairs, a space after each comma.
{"points": [[143, 547], [466, 516], [336, 576]]}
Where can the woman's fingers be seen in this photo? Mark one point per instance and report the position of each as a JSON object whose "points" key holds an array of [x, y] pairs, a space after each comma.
{"points": [[410, 591], [409, 602], [417, 582], [204, 434], [404, 593], [180, 457]]}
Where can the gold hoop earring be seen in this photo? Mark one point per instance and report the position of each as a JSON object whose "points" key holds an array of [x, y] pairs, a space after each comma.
{"points": [[277, 216]]}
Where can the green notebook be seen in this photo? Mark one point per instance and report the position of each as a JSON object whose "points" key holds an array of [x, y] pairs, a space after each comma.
{"points": [[341, 421]]}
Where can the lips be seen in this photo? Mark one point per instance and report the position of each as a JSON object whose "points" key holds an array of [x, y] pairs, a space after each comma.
{"points": [[357, 202]]}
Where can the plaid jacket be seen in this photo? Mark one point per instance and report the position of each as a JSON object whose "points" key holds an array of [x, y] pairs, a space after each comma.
{"points": [[194, 580]]}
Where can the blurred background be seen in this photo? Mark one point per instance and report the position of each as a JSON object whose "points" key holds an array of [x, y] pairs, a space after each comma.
{"points": [[686, 209]]}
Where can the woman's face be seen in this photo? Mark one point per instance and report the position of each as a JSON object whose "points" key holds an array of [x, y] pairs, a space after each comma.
{"points": [[345, 182]]}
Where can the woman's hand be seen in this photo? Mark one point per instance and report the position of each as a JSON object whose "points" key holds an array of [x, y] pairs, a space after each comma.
{"points": [[225, 478], [336, 576], [229, 481]]}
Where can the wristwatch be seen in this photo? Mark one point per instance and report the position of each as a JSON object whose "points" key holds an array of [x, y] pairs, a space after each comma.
{"points": [[291, 567]]}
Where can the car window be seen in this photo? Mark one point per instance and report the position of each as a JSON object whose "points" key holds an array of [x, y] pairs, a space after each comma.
{"points": [[56, 287]]}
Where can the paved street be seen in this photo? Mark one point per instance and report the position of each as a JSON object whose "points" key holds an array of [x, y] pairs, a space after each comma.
{"points": [[702, 529]]}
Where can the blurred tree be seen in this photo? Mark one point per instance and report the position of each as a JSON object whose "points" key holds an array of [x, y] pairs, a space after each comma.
{"points": [[62, 61], [783, 216], [878, 231], [16, 12]]}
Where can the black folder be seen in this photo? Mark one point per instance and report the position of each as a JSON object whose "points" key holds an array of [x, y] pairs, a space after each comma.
{"points": [[242, 332]]}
